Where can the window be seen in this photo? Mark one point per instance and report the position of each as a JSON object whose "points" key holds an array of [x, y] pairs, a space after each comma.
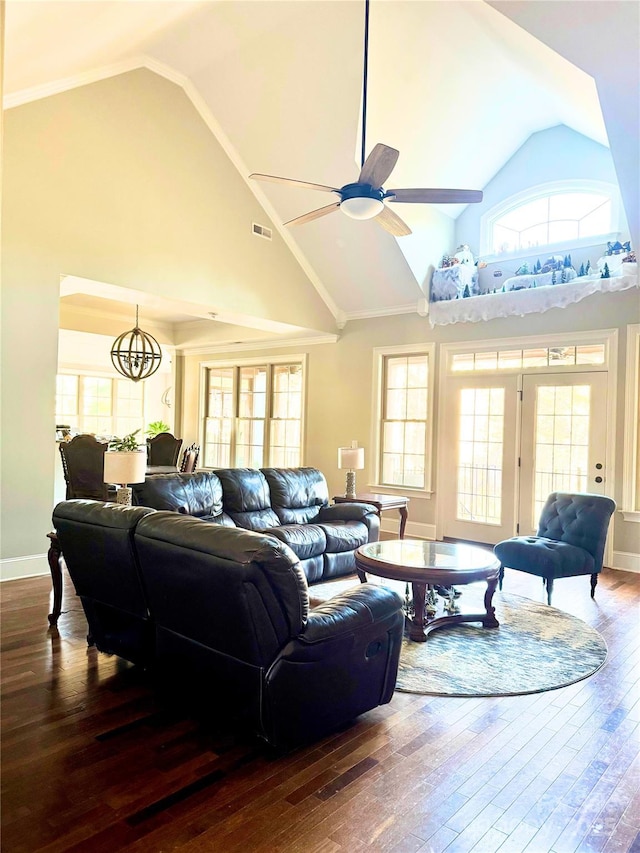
{"points": [[253, 415], [98, 404], [404, 422], [557, 213], [519, 359]]}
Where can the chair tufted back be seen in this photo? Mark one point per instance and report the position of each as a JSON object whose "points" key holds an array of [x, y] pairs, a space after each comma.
{"points": [[577, 519]]}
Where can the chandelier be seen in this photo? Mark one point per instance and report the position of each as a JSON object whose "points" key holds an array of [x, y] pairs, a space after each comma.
{"points": [[136, 354]]}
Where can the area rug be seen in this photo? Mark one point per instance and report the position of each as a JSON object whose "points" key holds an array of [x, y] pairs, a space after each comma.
{"points": [[536, 648]]}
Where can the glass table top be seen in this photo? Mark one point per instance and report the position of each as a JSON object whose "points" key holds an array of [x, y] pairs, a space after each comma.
{"points": [[419, 554]]}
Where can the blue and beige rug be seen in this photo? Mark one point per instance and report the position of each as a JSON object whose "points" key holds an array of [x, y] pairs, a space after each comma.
{"points": [[536, 648]]}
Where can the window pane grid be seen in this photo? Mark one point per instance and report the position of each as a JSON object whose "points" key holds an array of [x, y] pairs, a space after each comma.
{"points": [[551, 219], [561, 442], [554, 356], [480, 446], [99, 405], [263, 425], [403, 427]]}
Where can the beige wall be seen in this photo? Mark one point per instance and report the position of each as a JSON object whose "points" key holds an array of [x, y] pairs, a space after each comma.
{"points": [[340, 376], [120, 182]]}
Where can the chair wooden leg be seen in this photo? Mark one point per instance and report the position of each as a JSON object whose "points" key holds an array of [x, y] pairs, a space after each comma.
{"points": [[500, 576], [594, 583], [549, 589]]}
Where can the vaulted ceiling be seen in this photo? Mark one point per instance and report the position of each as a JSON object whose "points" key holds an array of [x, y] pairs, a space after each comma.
{"points": [[457, 87]]}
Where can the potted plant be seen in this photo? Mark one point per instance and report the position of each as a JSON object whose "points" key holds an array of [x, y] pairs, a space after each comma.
{"points": [[155, 428], [125, 462]]}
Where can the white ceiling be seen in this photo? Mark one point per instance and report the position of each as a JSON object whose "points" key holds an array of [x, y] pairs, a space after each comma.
{"points": [[457, 87]]}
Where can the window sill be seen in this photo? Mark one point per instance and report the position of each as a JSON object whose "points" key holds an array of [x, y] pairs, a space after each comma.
{"points": [[631, 514], [402, 491]]}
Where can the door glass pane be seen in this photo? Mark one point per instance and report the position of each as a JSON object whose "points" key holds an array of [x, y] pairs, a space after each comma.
{"points": [[561, 442], [480, 444]]}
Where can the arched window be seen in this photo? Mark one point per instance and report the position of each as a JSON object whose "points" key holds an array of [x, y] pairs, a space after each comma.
{"points": [[563, 212]]}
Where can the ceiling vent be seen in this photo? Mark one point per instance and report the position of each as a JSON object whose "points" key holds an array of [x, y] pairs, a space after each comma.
{"points": [[261, 231]]}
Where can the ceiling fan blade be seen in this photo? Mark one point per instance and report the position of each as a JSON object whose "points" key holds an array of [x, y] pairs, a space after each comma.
{"points": [[276, 180], [378, 165], [392, 223], [314, 214], [434, 196]]}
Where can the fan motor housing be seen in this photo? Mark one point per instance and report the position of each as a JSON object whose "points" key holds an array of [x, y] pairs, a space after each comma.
{"points": [[361, 191]]}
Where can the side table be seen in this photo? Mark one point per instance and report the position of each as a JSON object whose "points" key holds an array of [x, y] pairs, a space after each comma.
{"points": [[55, 558], [381, 503]]}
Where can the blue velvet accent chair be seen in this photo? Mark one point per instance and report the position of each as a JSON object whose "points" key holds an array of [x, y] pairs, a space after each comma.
{"points": [[570, 541]]}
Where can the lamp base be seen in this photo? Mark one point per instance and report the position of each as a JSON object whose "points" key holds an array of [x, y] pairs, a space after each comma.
{"points": [[351, 485], [123, 495]]}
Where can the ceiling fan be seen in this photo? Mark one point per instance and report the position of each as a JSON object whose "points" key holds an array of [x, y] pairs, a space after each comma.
{"points": [[365, 199]]}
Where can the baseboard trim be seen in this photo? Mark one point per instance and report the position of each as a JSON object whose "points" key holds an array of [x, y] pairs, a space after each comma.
{"points": [[413, 530], [625, 561], [17, 568]]}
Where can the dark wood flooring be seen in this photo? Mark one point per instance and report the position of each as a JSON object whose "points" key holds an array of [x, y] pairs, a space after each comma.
{"points": [[91, 763]]}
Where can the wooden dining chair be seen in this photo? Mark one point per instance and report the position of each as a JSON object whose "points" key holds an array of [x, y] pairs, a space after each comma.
{"points": [[189, 459], [83, 467], [163, 449]]}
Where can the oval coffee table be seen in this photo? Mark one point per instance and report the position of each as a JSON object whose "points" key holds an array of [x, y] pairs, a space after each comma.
{"points": [[423, 563]]}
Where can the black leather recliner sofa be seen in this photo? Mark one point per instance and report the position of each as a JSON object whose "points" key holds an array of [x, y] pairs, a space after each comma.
{"points": [[292, 504], [225, 612]]}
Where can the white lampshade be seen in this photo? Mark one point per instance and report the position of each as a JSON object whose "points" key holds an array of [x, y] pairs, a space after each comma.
{"points": [[126, 467], [351, 458], [361, 208]]}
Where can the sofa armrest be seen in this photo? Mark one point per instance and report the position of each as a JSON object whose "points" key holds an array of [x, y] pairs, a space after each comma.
{"points": [[346, 512], [350, 611], [343, 663], [366, 513]]}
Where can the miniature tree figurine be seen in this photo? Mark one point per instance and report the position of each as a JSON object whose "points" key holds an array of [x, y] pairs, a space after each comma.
{"points": [[563, 276], [466, 292], [581, 269], [553, 277], [605, 271], [587, 269]]}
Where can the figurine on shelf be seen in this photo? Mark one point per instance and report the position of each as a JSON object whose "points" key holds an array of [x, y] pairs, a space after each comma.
{"points": [[431, 603]]}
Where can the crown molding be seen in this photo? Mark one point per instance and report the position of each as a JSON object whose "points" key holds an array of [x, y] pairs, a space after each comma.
{"points": [[245, 346], [410, 308]]}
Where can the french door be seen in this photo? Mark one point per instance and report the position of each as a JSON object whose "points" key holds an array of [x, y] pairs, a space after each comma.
{"points": [[478, 484], [513, 439], [563, 439]]}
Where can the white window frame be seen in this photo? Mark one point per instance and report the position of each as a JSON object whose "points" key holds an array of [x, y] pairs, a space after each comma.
{"points": [[293, 358], [489, 218], [379, 355], [98, 374], [630, 500]]}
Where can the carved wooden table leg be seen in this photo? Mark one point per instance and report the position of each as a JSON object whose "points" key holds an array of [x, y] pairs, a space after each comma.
{"points": [[490, 620], [403, 520], [54, 557], [416, 628]]}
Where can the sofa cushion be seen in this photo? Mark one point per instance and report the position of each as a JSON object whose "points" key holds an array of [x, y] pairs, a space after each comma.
{"points": [[198, 494], [297, 494], [305, 540], [345, 536], [246, 498]]}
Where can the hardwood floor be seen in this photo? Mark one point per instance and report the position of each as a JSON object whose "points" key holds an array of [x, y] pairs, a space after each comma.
{"points": [[91, 763]]}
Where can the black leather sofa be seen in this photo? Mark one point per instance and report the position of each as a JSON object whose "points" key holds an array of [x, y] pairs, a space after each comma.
{"points": [[292, 504], [224, 613]]}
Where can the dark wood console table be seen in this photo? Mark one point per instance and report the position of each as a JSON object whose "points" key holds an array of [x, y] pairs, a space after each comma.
{"points": [[381, 503], [55, 567]]}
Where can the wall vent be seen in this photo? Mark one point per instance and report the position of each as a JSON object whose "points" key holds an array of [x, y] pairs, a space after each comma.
{"points": [[261, 231]]}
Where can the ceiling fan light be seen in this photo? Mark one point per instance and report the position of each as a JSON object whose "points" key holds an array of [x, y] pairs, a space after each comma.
{"points": [[361, 208]]}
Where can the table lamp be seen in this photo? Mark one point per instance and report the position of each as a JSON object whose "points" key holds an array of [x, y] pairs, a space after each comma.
{"points": [[122, 468], [351, 458]]}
